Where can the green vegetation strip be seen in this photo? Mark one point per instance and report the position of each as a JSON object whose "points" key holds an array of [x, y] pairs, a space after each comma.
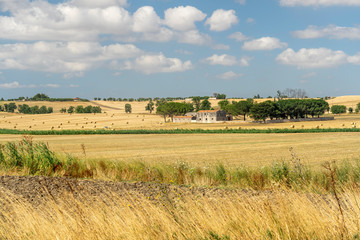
{"points": [[175, 131]]}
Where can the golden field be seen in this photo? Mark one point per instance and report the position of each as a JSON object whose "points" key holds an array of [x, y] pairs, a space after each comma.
{"points": [[207, 149], [114, 117]]}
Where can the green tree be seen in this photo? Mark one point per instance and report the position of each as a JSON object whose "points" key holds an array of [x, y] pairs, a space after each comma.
{"points": [[261, 111], [197, 103], [205, 105], [222, 104], [79, 109], [63, 110], [10, 107], [128, 108], [50, 110], [150, 106], [337, 109], [71, 110]]}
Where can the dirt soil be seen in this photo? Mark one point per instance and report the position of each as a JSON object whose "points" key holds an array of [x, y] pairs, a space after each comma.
{"points": [[37, 190]]}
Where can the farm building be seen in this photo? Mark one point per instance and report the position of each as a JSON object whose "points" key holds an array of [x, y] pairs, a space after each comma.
{"points": [[204, 116], [182, 119]]}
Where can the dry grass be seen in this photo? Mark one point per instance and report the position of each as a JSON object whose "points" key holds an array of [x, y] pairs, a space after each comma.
{"points": [[204, 149], [253, 215]]}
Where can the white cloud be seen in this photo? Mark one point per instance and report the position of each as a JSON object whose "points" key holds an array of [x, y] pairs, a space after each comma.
{"points": [[293, 3], [98, 4], [265, 43], [146, 20], [354, 59], [150, 64], [194, 37], [229, 75], [71, 57], [221, 20], [312, 58], [83, 20], [183, 18], [238, 36], [51, 85], [74, 86], [14, 85], [331, 31], [227, 60]]}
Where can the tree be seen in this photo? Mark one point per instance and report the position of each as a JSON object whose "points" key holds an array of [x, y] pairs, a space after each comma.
{"points": [[40, 97], [244, 107], [337, 109], [205, 105], [50, 110], [128, 108], [220, 96], [261, 111], [197, 102], [222, 104], [79, 109], [10, 107], [351, 110], [71, 109], [174, 108], [150, 106], [63, 110]]}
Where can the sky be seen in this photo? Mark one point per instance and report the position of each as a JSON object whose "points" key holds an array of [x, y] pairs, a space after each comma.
{"points": [[167, 48]]}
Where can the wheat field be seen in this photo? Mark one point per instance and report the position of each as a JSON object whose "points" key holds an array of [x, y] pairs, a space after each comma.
{"points": [[205, 149]]}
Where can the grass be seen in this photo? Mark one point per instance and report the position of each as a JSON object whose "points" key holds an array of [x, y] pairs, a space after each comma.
{"points": [[35, 158], [279, 215], [284, 200]]}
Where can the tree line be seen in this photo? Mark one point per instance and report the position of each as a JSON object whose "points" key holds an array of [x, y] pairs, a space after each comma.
{"points": [[26, 109], [82, 109]]}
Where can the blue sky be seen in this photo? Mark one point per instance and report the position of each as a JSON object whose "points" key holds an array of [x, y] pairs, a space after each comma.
{"points": [[150, 48]]}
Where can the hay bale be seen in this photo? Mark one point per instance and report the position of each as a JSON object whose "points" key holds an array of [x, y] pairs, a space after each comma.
{"points": [[343, 125], [239, 128], [14, 126], [58, 126], [321, 125], [52, 128], [302, 126], [292, 126], [43, 122], [127, 122], [29, 126], [226, 128], [82, 126], [317, 127], [95, 126], [143, 120], [68, 121], [76, 124]]}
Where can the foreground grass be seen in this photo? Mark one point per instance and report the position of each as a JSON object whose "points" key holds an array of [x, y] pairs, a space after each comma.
{"points": [[35, 158], [291, 201], [279, 215]]}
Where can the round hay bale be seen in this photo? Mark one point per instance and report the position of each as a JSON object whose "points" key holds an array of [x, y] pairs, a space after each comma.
{"points": [[127, 122], [68, 121], [14, 126], [143, 120], [43, 122], [343, 125], [52, 128], [292, 126], [29, 126], [58, 126], [317, 127], [302, 126], [239, 128], [82, 126]]}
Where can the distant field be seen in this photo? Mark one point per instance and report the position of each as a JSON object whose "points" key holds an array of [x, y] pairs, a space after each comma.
{"points": [[114, 117], [232, 149]]}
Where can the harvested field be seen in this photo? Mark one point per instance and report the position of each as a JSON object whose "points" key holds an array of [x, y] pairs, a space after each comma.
{"points": [[230, 149]]}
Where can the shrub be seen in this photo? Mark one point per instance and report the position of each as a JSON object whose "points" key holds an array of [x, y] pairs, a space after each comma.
{"points": [[337, 109]]}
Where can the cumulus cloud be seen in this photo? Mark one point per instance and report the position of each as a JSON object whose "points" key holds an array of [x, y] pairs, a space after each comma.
{"points": [[238, 36], [293, 3], [226, 60], [265, 43], [331, 31], [312, 58], [354, 59], [229, 75], [222, 20], [83, 20], [242, 2], [62, 57], [98, 4], [150, 64], [146, 20], [183, 18]]}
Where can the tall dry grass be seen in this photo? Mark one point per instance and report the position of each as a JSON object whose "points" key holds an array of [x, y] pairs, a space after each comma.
{"points": [[263, 215]]}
